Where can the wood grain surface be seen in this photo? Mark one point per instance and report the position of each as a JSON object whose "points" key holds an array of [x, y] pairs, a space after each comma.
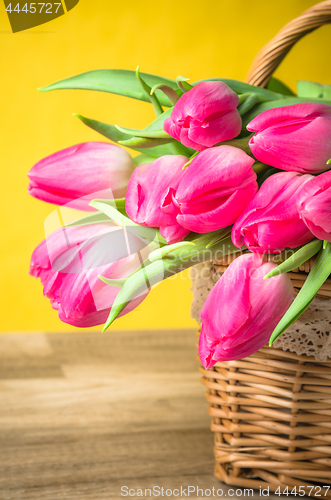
{"points": [[83, 414]]}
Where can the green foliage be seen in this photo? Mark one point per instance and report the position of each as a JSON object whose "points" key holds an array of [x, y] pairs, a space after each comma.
{"points": [[279, 87], [115, 81], [313, 90], [318, 274], [297, 259]]}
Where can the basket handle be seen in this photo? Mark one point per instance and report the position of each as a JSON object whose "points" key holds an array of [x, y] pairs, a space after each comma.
{"points": [[272, 54]]}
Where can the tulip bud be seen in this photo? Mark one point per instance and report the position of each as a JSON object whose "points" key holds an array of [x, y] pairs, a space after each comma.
{"points": [[75, 174], [314, 205], [242, 310], [213, 191], [205, 115], [146, 190], [294, 138], [271, 221], [70, 261]]}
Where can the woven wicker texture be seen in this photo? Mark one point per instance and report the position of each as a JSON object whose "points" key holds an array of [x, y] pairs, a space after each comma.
{"points": [[272, 411], [272, 54], [272, 421]]}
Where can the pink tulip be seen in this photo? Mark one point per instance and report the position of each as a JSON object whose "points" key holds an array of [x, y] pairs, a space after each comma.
{"points": [[271, 221], [242, 310], [314, 204], [70, 261], [213, 191], [77, 174], [294, 138], [145, 192], [205, 115]]}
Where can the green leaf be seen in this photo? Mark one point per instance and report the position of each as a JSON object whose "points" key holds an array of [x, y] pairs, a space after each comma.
{"points": [[143, 142], [173, 95], [318, 274], [112, 133], [109, 131], [219, 237], [313, 89], [147, 89], [182, 83], [121, 282], [95, 218], [326, 92], [279, 87], [107, 207], [250, 102], [175, 147], [160, 253], [188, 163], [297, 259], [115, 81], [136, 285], [144, 133], [181, 258], [118, 283], [153, 131], [98, 217], [158, 123]]}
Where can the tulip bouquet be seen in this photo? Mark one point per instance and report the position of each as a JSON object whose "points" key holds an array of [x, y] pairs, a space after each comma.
{"points": [[227, 168]]}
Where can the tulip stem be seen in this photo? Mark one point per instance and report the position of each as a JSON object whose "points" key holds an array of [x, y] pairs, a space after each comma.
{"points": [[297, 258], [147, 89], [248, 101], [317, 276], [168, 91], [191, 159], [260, 168], [181, 259], [242, 98], [182, 84]]}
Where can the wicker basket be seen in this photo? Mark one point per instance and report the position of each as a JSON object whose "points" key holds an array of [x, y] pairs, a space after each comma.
{"points": [[272, 411]]}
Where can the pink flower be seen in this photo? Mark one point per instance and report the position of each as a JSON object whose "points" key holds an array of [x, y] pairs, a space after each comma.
{"points": [[205, 115], [294, 138], [271, 221], [70, 261], [314, 204], [145, 192], [74, 175], [213, 191], [242, 310]]}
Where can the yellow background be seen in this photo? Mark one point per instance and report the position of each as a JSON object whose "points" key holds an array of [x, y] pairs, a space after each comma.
{"points": [[193, 38]]}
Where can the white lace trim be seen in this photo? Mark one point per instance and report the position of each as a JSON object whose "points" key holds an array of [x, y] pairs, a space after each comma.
{"points": [[309, 335]]}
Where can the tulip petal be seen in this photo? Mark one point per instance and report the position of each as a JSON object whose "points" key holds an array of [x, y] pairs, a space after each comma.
{"points": [[74, 175], [70, 261], [295, 138], [314, 206], [222, 127], [205, 115], [146, 195], [271, 220], [242, 310]]}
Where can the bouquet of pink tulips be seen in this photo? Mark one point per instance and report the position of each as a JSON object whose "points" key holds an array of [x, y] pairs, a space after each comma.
{"points": [[227, 168]]}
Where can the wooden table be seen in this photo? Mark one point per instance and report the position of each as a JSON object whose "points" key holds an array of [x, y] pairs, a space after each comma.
{"points": [[84, 414]]}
